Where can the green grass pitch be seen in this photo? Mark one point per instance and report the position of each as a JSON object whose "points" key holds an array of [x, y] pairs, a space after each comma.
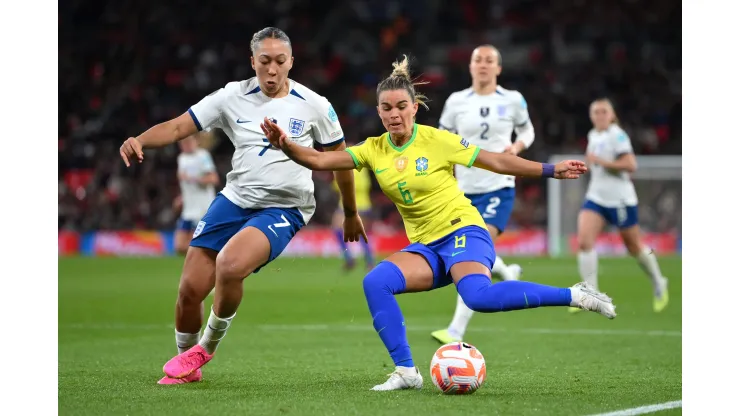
{"points": [[303, 343]]}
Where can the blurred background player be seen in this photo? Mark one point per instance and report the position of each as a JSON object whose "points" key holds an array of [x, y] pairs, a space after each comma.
{"points": [[611, 199], [364, 208], [486, 114], [198, 179]]}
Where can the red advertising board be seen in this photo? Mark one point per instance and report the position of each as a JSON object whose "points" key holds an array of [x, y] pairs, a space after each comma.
{"points": [[68, 242], [127, 243]]}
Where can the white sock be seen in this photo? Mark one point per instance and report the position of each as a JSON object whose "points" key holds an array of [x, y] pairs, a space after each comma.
{"points": [[500, 268], [185, 341], [588, 266], [649, 264], [461, 319], [575, 297], [215, 331]]}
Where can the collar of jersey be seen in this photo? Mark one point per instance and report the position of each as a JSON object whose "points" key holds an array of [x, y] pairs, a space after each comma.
{"points": [[408, 143]]}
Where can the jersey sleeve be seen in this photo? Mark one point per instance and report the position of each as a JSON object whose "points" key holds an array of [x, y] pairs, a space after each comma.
{"points": [[457, 150], [207, 112], [622, 143], [361, 155], [447, 119], [521, 113], [326, 131]]}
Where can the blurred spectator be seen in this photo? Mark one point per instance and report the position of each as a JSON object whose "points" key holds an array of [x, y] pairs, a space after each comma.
{"points": [[127, 65]]}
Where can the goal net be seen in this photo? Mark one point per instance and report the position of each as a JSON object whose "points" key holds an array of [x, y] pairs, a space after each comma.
{"points": [[658, 185]]}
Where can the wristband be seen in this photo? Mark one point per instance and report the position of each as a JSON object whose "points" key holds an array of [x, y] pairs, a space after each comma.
{"points": [[548, 170]]}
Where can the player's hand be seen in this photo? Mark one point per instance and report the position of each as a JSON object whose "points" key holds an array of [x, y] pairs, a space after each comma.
{"points": [[354, 229], [275, 135], [570, 169], [131, 150]]}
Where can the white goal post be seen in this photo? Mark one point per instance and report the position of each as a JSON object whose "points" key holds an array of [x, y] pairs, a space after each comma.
{"points": [[658, 184]]}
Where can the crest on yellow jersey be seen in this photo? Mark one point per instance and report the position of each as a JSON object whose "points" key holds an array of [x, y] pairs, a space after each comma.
{"points": [[401, 163]]}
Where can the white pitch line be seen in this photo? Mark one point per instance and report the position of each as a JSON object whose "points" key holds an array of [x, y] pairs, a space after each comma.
{"points": [[643, 409], [369, 328]]}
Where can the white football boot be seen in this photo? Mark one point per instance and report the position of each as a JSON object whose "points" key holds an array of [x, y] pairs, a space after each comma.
{"points": [[401, 379], [517, 271], [584, 296]]}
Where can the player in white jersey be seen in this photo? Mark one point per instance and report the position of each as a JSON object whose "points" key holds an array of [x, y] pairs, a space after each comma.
{"points": [[486, 115], [267, 197], [611, 199], [198, 178]]}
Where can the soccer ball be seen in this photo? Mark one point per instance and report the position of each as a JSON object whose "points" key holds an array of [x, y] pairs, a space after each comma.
{"points": [[458, 368]]}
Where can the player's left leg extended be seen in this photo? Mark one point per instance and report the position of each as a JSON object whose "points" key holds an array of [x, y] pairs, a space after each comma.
{"points": [[262, 238], [496, 209], [469, 270], [402, 272], [649, 264]]}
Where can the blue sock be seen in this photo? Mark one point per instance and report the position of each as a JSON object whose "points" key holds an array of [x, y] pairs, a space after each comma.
{"points": [[342, 245], [480, 295], [380, 285], [368, 252]]}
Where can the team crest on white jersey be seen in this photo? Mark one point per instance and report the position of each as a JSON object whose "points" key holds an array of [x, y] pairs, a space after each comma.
{"points": [[333, 115], [484, 111], [501, 110], [199, 228], [295, 126]]}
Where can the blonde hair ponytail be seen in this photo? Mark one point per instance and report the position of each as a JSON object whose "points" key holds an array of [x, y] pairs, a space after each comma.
{"points": [[400, 79]]}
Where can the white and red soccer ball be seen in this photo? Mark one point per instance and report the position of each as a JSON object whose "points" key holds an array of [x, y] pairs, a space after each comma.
{"points": [[458, 368]]}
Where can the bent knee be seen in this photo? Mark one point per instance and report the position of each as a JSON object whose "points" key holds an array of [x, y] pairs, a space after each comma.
{"points": [[475, 303], [191, 292], [230, 266], [372, 281], [386, 278]]}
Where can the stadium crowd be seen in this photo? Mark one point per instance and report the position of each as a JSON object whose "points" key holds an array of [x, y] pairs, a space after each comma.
{"points": [[130, 64]]}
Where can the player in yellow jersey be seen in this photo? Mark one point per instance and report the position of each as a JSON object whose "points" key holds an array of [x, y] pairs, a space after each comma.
{"points": [[364, 207], [449, 241]]}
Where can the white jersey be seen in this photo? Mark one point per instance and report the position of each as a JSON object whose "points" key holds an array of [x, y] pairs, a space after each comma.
{"points": [[196, 198], [486, 121], [262, 176], [608, 188]]}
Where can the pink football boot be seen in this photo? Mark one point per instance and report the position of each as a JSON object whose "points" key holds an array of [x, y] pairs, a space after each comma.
{"points": [[196, 376], [187, 363]]}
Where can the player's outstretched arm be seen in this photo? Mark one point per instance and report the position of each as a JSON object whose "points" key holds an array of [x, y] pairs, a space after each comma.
{"points": [[306, 156], [158, 136], [507, 164]]}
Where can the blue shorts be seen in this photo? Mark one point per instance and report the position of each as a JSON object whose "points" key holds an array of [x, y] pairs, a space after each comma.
{"points": [[224, 219], [471, 243], [185, 225], [495, 207], [622, 217]]}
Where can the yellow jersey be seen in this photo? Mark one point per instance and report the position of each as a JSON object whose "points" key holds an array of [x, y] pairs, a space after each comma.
{"points": [[362, 190], [418, 178]]}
